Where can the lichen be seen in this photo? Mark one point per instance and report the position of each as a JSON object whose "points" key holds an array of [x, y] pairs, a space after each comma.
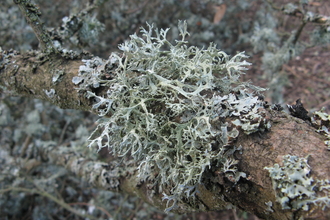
{"points": [[80, 29], [51, 93], [295, 188], [32, 13], [321, 120], [168, 105], [269, 205], [57, 75]]}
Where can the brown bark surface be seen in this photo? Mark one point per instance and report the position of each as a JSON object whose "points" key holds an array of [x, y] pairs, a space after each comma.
{"points": [[31, 75], [288, 135]]}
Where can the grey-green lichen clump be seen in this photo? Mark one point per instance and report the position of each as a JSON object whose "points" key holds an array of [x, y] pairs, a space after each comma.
{"points": [[168, 105], [294, 187]]}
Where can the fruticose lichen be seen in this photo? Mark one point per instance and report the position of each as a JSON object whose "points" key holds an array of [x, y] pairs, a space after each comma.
{"points": [[176, 110], [294, 187]]}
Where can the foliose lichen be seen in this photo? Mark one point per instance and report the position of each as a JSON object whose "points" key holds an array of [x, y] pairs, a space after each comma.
{"points": [[295, 188], [321, 120], [78, 29], [51, 93], [176, 110], [269, 206], [57, 75]]}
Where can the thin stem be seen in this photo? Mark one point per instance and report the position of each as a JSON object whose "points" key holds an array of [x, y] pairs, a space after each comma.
{"points": [[32, 14], [302, 13], [49, 196], [97, 207], [271, 3], [296, 36]]}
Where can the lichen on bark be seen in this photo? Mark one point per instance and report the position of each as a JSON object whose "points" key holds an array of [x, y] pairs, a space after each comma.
{"points": [[168, 105]]}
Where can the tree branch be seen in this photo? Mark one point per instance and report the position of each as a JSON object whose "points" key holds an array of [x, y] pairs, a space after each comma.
{"points": [[289, 135], [295, 11], [32, 14], [34, 75], [49, 196], [31, 75]]}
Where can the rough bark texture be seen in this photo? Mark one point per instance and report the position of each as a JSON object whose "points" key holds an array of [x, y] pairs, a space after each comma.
{"points": [[35, 74], [288, 135], [32, 74]]}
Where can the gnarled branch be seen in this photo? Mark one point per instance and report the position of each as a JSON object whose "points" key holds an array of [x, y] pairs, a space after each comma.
{"points": [[30, 75]]}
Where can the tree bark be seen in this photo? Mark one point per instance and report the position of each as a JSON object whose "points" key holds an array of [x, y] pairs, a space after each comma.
{"points": [[42, 76], [35, 75]]}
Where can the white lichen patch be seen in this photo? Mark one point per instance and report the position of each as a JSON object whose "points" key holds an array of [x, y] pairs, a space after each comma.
{"points": [[295, 188], [90, 74], [168, 105], [269, 205], [51, 93], [56, 76], [321, 120]]}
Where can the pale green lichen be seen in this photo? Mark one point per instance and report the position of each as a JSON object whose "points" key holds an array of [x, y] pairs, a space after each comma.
{"points": [[321, 120], [57, 75], [168, 105], [51, 93], [269, 205], [295, 188]]}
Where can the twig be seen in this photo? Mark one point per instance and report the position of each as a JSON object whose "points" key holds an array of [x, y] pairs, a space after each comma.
{"points": [[67, 30], [306, 17], [298, 33], [32, 14], [60, 141], [49, 196], [323, 104], [97, 207], [137, 208], [120, 206], [273, 5], [25, 146], [234, 214]]}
